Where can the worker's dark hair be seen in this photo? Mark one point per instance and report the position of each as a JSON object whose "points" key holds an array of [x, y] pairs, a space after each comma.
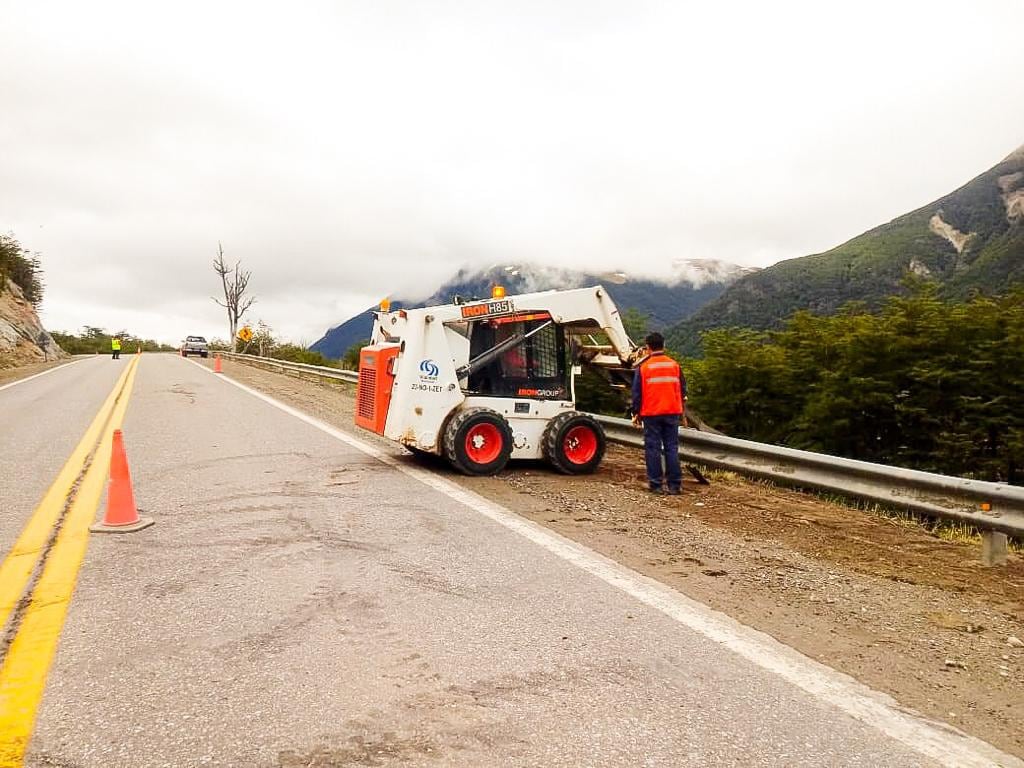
{"points": [[655, 341]]}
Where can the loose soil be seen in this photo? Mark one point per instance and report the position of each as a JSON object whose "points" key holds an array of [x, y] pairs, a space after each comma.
{"points": [[883, 601], [8, 375]]}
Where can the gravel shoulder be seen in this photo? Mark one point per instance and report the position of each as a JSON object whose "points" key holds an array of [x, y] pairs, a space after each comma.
{"points": [[14, 373], [887, 603]]}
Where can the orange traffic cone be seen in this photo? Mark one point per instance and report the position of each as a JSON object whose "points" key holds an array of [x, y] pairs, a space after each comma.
{"points": [[218, 367], [121, 515]]}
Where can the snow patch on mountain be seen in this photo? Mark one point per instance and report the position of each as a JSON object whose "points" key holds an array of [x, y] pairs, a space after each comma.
{"points": [[700, 272], [531, 278]]}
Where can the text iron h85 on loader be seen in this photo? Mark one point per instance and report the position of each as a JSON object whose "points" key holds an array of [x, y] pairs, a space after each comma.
{"points": [[485, 381]]}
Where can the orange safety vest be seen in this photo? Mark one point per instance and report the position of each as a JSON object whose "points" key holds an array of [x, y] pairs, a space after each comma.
{"points": [[661, 386]]}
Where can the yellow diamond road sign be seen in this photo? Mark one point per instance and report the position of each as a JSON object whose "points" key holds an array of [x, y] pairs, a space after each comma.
{"points": [[245, 334]]}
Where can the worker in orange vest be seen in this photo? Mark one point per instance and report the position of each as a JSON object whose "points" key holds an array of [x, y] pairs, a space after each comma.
{"points": [[659, 394]]}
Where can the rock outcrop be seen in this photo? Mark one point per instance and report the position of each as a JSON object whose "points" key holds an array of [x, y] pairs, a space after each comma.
{"points": [[22, 337]]}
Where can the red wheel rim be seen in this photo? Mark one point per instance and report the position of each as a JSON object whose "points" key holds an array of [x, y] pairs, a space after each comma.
{"points": [[580, 444], [483, 443]]}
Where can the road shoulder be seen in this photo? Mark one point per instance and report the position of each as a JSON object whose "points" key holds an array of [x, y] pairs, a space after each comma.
{"points": [[21, 372], [890, 605]]}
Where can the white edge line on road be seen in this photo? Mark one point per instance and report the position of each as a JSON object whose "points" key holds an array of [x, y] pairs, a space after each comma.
{"points": [[37, 375], [940, 742]]}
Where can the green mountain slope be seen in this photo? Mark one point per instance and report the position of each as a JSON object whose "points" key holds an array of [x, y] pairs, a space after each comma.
{"points": [[971, 239]]}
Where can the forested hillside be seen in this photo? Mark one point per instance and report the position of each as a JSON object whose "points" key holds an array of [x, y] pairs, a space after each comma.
{"points": [[969, 240]]}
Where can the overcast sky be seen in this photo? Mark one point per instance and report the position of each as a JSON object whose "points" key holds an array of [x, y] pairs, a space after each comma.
{"points": [[346, 150]]}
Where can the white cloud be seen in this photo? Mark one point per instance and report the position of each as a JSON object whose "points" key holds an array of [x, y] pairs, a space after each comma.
{"points": [[348, 150]]}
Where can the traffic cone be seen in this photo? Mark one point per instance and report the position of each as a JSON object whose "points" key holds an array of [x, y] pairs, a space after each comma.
{"points": [[218, 367], [121, 515]]}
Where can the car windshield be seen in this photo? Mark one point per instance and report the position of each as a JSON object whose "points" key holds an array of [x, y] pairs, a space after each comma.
{"points": [[195, 338]]}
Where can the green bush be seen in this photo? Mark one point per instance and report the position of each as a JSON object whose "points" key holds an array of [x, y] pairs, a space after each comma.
{"points": [[298, 354], [22, 268], [926, 383]]}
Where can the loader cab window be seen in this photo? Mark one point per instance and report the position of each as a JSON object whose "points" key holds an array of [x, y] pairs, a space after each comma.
{"points": [[535, 368]]}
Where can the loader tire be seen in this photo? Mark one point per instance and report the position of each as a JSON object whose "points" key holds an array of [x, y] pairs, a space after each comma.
{"points": [[478, 441], [574, 443]]}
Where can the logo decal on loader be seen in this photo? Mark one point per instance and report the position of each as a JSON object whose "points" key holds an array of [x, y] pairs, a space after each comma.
{"points": [[490, 308], [429, 369]]}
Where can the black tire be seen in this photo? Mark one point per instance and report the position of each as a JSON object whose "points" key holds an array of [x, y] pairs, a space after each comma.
{"points": [[204, 354], [574, 443], [478, 441]]}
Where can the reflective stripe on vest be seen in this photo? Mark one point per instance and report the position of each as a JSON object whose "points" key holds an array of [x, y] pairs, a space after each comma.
{"points": [[661, 394]]}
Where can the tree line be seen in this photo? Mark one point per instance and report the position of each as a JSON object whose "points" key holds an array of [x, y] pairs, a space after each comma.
{"points": [[925, 383], [92, 339], [21, 267]]}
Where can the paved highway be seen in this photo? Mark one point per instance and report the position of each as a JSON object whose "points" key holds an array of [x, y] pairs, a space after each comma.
{"points": [[307, 600], [41, 421]]}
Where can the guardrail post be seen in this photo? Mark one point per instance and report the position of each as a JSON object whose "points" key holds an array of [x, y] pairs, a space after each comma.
{"points": [[993, 548]]}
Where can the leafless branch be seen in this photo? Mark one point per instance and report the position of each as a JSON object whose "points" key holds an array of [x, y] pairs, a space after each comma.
{"points": [[235, 282]]}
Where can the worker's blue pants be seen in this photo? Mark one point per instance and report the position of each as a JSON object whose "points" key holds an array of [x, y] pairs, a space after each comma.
{"points": [[661, 441]]}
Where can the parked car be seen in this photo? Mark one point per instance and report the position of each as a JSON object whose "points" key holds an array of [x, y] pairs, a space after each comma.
{"points": [[194, 345]]}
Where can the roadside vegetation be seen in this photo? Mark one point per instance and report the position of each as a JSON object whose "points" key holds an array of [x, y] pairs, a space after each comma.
{"points": [[925, 383], [91, 340], [21, 267], [264, 343]]}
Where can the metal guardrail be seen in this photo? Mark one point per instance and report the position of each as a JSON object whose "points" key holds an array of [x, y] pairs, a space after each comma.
{"points": [[951, 498], [286, 365]]}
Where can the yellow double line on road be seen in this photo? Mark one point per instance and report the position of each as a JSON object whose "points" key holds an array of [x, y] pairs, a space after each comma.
{"points": [[37, 578]]}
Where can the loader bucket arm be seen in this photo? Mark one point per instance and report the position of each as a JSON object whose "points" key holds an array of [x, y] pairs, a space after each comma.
{"points": [[590, 310]]}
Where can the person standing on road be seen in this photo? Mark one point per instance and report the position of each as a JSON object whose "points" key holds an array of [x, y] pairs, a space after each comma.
{"points": [[115, 347], [659, 392]]}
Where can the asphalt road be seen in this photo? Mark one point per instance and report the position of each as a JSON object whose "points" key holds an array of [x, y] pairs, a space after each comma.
{"points": [[40, 422], [303, 601]]}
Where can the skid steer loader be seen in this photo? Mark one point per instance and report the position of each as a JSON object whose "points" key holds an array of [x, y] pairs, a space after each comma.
{"points": [[486, 381]]}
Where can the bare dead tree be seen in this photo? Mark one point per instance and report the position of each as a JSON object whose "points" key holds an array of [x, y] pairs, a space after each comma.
{"points": [[235, 281]]}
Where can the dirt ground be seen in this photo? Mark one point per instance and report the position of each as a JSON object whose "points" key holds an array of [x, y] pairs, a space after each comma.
{"points": [[9, 374], [885, 602]]}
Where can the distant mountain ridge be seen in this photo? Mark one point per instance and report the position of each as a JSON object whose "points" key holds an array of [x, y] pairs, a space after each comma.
{"points": [[692, 283], [970, 240]]}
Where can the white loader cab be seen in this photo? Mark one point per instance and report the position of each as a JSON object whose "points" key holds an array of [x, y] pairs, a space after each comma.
{"points": [[486, 381]]}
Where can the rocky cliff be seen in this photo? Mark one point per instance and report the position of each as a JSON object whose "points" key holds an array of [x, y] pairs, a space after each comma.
{"points": [[22, 337]]}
